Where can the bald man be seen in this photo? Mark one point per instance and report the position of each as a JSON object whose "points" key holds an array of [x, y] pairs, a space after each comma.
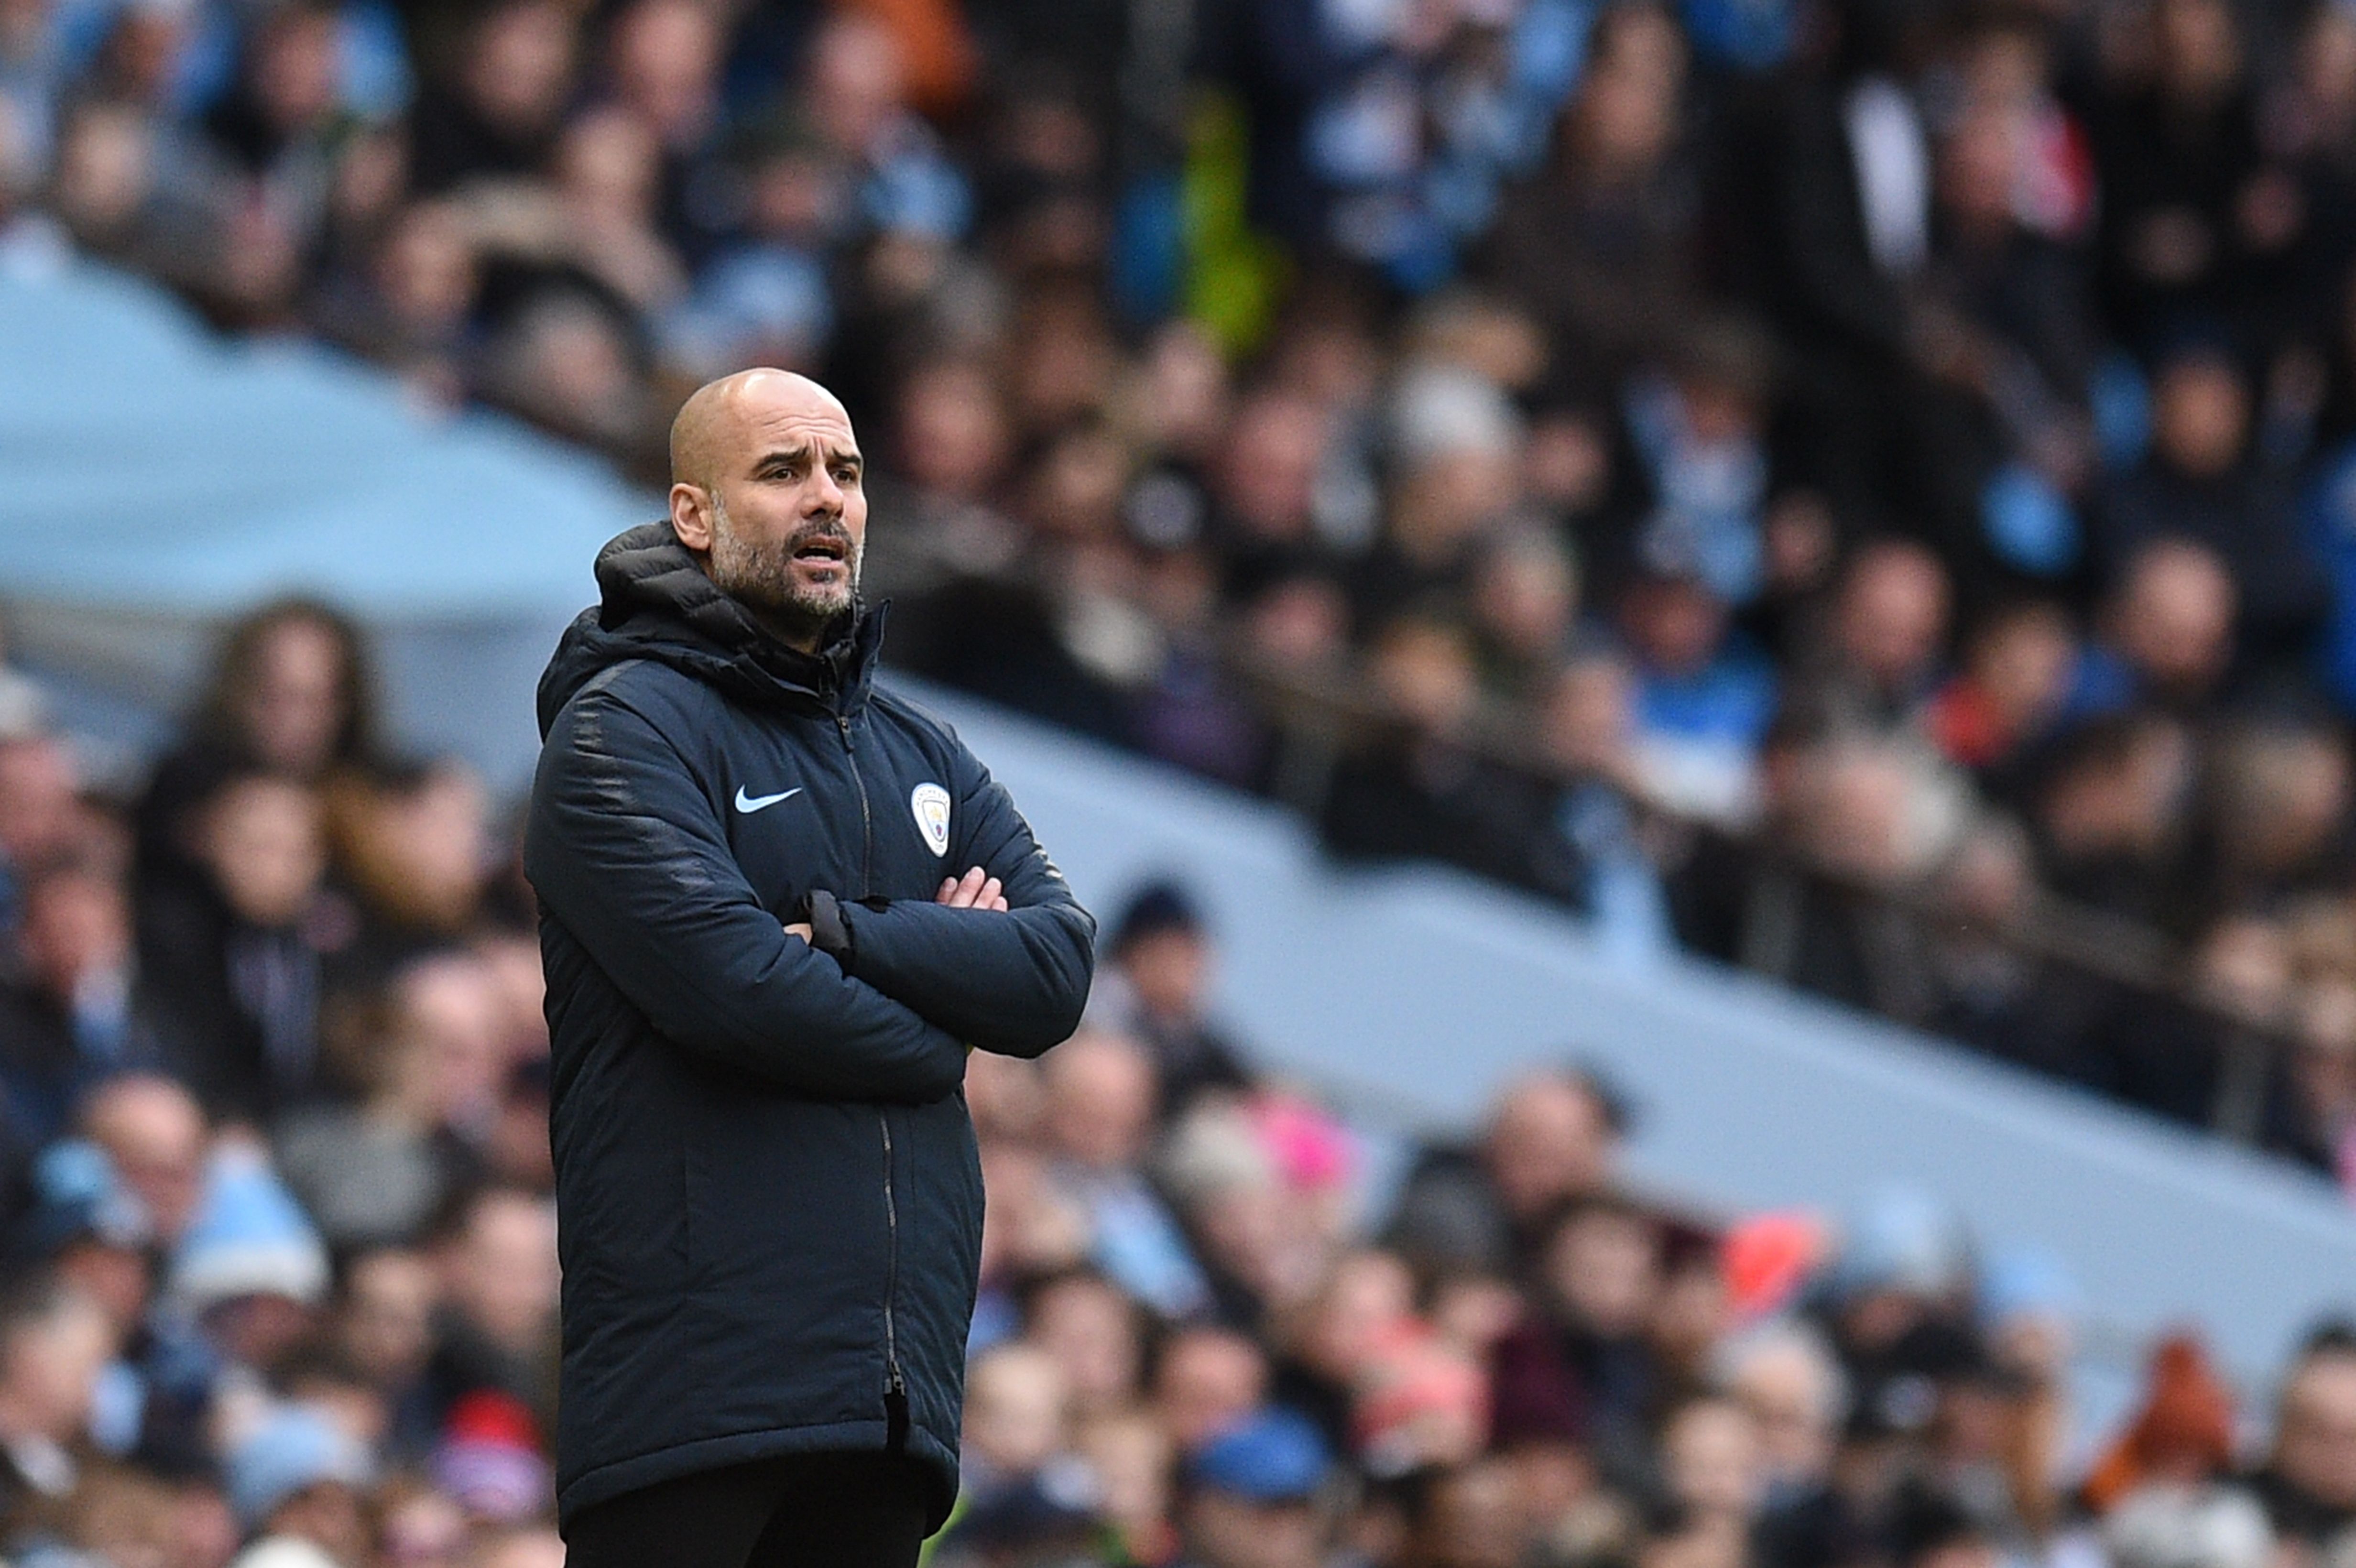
{"points": [[777, 908]]}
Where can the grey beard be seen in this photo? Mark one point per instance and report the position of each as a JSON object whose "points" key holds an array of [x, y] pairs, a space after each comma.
{"points": [[763, 582]]}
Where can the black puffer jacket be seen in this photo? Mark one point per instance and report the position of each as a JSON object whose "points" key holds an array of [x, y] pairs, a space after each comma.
{"points": [[769, 1199]]}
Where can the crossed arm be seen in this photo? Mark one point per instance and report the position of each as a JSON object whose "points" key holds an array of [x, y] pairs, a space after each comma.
{"points": [[1002, 955], [628, 856]]}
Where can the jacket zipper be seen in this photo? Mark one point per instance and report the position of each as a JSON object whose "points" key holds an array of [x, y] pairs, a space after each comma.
{"points": [[866, 819], [896, 1386]]}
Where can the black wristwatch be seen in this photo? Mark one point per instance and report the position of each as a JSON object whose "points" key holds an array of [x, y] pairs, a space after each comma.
{"points": [[829, 932]]}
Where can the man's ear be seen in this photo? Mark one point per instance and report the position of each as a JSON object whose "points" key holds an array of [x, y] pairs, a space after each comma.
{"points": [[690, 515]]}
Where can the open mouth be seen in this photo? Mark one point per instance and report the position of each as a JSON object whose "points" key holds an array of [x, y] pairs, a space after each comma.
{"points": [[823, 549]]}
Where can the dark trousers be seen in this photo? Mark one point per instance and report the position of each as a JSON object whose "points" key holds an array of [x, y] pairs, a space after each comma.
{"points": [[798, 1510]]}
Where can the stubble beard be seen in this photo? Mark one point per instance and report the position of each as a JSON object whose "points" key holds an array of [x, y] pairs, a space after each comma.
{"points": [[762, 579]]}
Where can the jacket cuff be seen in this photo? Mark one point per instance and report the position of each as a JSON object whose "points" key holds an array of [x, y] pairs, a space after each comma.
{"points": [[829, 932]]}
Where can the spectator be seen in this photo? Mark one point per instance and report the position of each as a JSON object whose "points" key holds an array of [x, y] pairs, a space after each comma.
{"points": [[1700, 428], [1890, 1298], [1554, 1137], [952, 441], [1093, 1332], [2314, 1121], [290, 694], [567, 357], [85, 1229], [415, 846], [1865, 818], [2281, 793], [854, 93], [1889, 632], [249, 1272], [1395, 1391], [385, 1332], [2167, 633], [1703, 697], [156, 1139], [1130, 1458], [235, 959], [378, 1172], [1600, 243], [491, 1460], [663, 64], [1265, 487], [2110, 814], [495, 117], [2190, 207], [2002, 331], [1022, 1487], [1988, 995], [2204, 482], [1099, 1114], [41, 817], [497, 1329], [410, 304], [1828, 179], [294, 1483], [1787, 1379], [1255, 1498], [1524, 601], [2182, 1439], [2307, 1483], [603, 213], [1458, 446], [2010, 692], [52, 1343], [1579, 1366], [1422, 791], [1590, 850], [1710, 1450], [1470, 1517], [276, 130], [1207, 1382], [80, 1012], [768, 299], [1163, 955]]}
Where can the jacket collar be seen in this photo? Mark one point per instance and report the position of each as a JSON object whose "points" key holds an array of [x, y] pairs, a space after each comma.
{"points": [[656, 603]]}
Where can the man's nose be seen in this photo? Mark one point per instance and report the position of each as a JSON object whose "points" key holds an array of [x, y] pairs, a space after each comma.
{"points": [[827, 495]]}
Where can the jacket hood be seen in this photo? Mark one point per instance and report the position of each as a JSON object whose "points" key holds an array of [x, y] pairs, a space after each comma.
{"points": [[657, 603]]}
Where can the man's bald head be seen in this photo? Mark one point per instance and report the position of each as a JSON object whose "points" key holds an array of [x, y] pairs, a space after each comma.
{"points": [[720, 416], [767, 491]]}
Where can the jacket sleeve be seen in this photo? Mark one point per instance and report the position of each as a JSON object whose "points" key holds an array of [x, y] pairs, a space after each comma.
{"points": [[628, 853], [1012, 983]]}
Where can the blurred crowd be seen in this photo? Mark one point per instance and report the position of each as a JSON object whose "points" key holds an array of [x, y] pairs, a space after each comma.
{"points": [[279, 1285], [1715, 462], [1719, 464]]}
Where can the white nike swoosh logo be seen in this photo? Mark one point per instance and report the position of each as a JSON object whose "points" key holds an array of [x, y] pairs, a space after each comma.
{"points": [[752, 803]]}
